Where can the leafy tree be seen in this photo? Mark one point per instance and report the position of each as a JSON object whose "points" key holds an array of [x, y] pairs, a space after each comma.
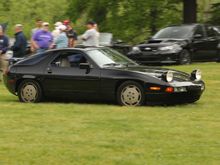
{"points": [[215, 14]]}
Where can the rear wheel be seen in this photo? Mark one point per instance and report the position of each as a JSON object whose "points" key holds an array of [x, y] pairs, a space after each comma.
{"points": [[29, 91], [130, 93], [185, 57]]}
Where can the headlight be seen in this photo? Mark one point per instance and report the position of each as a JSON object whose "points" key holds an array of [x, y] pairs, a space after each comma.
{"points": [[196, 75], [168, 76], [136, 49], [174, 47]]}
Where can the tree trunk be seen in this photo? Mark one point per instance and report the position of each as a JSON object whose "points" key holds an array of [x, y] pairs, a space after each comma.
{"points": [[189, 11], [153, 19]]}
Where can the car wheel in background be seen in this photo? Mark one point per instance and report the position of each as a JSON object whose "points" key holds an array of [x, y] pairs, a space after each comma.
{"points": [[130, 93], [185, 57], [29, 91]]}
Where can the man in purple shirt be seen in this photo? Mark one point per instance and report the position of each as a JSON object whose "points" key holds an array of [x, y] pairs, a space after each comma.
{"points": [[43, 39]]}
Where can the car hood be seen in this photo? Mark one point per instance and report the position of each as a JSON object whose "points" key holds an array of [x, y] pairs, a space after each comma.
{"points": [[156, 72], [164, 42]]}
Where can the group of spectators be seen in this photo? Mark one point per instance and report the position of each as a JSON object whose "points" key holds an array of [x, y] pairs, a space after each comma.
{"points": [[42, 39]]}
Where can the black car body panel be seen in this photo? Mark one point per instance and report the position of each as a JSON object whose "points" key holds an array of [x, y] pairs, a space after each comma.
{"points": [[200, 41], [96, 82]]}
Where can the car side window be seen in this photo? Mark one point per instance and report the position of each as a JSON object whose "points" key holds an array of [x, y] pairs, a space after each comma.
{"points": [[199, 31], [69, 60], [210, 31]]}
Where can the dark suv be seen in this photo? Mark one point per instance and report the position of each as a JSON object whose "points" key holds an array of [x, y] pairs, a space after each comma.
{"points": [[179, 44]]}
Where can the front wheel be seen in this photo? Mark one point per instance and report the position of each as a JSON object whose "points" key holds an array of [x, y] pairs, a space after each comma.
{"points": [[29, 91], [185, 57], [130, 93]]}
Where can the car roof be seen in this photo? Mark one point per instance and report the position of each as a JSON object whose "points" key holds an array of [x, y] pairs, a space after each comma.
{"points": [[83, 48]]}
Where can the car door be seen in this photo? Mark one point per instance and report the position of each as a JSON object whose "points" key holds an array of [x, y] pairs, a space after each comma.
{"points": [[212, 43], [199, 44], [64, 76]]}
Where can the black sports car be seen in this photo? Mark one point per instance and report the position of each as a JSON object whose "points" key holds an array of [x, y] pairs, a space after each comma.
{"points": [[180, 44], [99, 73]]}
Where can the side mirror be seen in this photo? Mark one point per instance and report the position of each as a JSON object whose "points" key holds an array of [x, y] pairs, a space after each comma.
{"points": [[197, 36], [84, 66]]}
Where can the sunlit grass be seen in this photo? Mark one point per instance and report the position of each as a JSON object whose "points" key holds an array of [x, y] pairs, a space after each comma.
{"points": [[59, 133]]}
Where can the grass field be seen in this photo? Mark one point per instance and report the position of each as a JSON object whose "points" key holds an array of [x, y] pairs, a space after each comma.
{"points": [[90, 134]]}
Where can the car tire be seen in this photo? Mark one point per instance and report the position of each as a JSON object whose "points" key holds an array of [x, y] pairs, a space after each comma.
{"points": [[30, 91], [185, 57], [130, 93]]}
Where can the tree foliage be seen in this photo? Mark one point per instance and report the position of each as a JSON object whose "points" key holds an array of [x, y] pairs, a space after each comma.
{"points": [[26, 12], [130, 20], [215, 14]]}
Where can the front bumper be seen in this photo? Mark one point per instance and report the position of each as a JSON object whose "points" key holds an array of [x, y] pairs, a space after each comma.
{"points": [[157, 57], [192, 94]]}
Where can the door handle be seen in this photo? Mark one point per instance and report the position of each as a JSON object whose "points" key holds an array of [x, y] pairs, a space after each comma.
{"points": [[49, 70]]}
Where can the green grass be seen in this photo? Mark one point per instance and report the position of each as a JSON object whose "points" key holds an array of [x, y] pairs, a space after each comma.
{"points": [[89, 134]]}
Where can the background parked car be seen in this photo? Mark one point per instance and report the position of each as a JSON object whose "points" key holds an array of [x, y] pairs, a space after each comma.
{"points": [[179, 44]]}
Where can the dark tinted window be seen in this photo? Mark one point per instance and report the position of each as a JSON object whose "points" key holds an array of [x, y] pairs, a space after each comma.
{"points": [[199, 30], [69, 59], [210, 31], [175, 32], [34, 59]]}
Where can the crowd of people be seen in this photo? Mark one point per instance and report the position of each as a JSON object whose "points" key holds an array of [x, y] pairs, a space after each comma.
{"points": [[42, 39]]}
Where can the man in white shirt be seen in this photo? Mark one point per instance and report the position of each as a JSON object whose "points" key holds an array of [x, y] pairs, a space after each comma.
{"points": [[91, 36]]}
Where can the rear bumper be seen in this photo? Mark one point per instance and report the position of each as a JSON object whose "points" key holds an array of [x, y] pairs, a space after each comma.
{"points": [[10, 84]]}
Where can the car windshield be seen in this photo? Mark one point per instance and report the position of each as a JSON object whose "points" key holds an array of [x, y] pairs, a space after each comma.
{"points": [[177, 32], [107, 57]]}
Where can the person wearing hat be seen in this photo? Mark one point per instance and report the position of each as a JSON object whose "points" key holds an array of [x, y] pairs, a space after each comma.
{"points": [[71, 34], [91, 36], [56, 31], [61, 41], [43, 39], [4, 43], [20, 45]]}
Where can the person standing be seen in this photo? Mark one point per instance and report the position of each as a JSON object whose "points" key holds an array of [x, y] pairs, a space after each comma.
{"points": [[91, 36], [4, 43], [71, 34], [43, 39], [38, 25], [61, 41], [56, 31], [20, 44]]}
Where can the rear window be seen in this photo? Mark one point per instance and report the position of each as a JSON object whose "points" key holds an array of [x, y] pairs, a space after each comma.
{"points": [[34, 59]]}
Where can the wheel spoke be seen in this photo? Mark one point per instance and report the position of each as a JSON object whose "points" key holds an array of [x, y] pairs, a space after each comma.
{"points": [[131, 95]]}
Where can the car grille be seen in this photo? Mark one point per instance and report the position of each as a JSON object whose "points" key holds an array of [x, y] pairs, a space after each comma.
{"points": [[148, 49], [181, 77]]}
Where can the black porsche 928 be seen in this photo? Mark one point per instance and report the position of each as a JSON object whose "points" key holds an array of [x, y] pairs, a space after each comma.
{"points": [[99, 73]]}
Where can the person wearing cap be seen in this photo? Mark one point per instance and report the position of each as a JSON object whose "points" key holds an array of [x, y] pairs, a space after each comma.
{"points": [[43, 39], [71, 34], [56, 31], [20, 45], [4, 43], [61, 41], [91, 36]]}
